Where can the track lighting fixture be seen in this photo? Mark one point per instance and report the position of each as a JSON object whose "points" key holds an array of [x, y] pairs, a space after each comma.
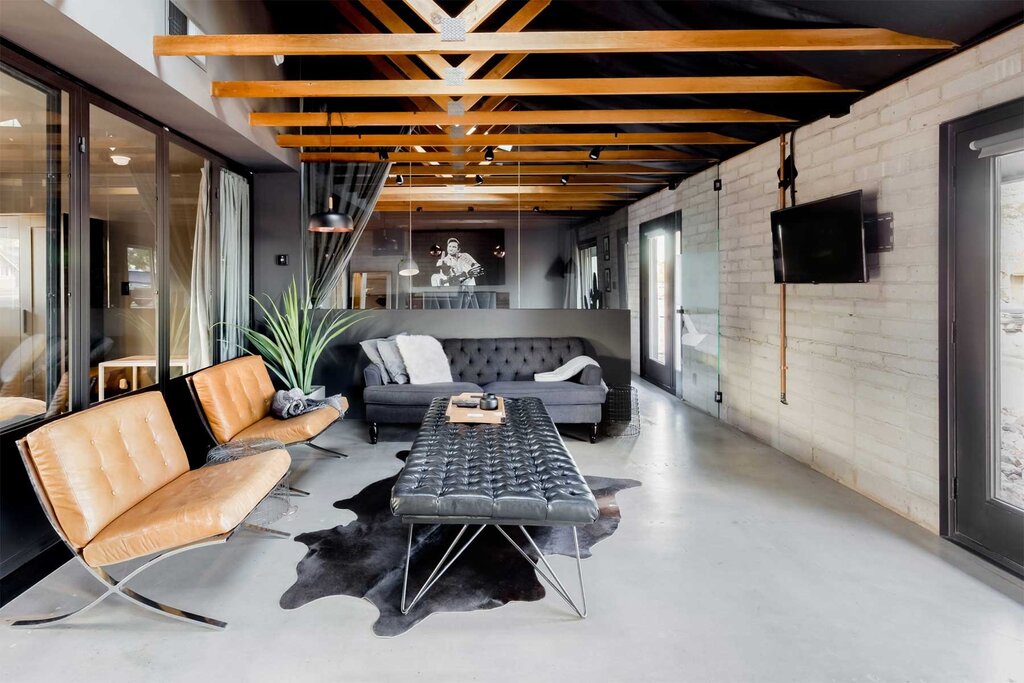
{"points": [[479, 180], [383, 155], [536, 209], [565, 180], [595, 153], [400, 180], [489, 154]]}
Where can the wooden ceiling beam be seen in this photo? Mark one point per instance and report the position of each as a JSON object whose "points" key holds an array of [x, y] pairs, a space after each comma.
{"points": [[403, 64], [473, 15], [575, 180], [523, 171], [509, 157], [548, 42], [525, 87], [496, 208], [513, 118], [514, 139], [462, 190]]}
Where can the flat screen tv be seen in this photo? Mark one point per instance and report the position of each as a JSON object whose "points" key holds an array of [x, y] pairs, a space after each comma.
{"points": [[820, 241]]}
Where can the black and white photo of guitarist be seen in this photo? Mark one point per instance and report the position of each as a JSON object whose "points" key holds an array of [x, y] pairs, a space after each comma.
{"points": [[456, 268]]}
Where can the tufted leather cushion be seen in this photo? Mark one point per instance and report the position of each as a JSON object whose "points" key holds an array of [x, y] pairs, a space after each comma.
{"points": [[234, 395], [294, 429], [482, 361], [96, 464], [199, 504], [518, 471]]}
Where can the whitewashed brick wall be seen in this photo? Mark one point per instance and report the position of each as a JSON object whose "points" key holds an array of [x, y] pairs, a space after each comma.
{"points": [[863, 358]]}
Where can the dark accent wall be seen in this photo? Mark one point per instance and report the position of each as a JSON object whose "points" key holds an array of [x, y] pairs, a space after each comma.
{"points": [[277, 229], [606, 332]]}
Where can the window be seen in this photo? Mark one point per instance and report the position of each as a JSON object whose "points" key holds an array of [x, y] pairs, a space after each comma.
{"points": [[590, 289], [33, 189]]}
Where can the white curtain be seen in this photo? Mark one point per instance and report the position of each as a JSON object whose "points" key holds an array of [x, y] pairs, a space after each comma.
{"points": [[234, 262], [200, 346]]}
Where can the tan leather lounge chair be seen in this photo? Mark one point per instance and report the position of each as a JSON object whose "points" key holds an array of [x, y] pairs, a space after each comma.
{"points": [[115, 484], [235, 398]]}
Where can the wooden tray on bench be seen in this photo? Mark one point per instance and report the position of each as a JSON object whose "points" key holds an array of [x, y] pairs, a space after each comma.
{"points": [[475, 415]]}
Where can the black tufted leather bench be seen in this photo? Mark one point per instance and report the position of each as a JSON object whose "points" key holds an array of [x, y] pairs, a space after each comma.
{"points": [[514, 474], [504, 366]]}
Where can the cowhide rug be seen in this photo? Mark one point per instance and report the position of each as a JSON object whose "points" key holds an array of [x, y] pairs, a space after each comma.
{"points": [[366, 559]]}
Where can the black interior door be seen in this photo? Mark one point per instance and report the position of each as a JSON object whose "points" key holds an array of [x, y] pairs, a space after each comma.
{"points": [[657, 300], [984, 332]]}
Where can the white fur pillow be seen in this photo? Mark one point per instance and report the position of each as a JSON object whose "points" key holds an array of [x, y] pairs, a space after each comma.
{"points": [[424, 359]]}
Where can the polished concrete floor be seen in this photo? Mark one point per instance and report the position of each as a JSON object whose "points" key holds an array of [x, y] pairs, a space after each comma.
{"points": [[732, 563]]}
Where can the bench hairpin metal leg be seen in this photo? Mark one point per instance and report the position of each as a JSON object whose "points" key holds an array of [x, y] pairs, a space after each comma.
{"points": [[549, 576], [439, 570], [542, 567]]}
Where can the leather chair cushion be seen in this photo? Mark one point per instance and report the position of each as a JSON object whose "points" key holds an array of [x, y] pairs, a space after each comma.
{"points": [[199, 504], [234, 395], [415, 394], [552, 393], [292, 430], [97, 464]]}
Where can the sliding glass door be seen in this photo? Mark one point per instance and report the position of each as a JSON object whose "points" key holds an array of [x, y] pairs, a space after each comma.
{"points": [[33, 248], [123, 255]]}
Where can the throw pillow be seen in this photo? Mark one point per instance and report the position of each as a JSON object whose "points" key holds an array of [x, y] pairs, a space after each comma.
{"points": [[370, 349], [424, 359], [392, 357]]}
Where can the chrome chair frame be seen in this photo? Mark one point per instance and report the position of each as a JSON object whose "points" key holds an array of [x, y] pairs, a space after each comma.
{"points": [[546, 573], [114, 586]]}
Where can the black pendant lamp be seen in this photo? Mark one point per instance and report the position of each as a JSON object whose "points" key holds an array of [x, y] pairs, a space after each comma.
{"points": [[330, 220]]}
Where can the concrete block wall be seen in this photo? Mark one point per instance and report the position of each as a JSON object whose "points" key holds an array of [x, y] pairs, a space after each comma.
{"points": [[863, 358]]}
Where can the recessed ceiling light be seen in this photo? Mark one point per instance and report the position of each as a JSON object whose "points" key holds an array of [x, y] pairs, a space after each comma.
{"points": [[120, 159], [10, 123]]}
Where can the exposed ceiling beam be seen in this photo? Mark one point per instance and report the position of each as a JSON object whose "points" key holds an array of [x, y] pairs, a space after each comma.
{"points": [[403, 64], [472, 63], [575, 180], [541, 42], [477, 157], [495, 208], [473, 15], [513, 118], [460, 191], [514, 139], [661, 85], [514, 170]]}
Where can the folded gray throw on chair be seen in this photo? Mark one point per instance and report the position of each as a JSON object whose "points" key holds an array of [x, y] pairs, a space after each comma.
{"points": [[293, 402]]}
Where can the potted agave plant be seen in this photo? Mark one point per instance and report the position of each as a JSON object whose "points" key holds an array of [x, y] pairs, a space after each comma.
{"points": [[295, 337]]}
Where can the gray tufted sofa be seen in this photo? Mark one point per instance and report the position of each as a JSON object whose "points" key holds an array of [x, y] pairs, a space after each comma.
{"points": [[504, 366]]}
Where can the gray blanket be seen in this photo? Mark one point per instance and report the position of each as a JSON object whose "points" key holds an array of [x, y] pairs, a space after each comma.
{"points": [[293, 402]]}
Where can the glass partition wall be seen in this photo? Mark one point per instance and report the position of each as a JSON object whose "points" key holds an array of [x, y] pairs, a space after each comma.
{"points": [[479, 258], [107, 247]]}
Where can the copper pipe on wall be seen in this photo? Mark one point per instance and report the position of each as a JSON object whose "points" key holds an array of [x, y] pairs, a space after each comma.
{"points": [[782, 287]]}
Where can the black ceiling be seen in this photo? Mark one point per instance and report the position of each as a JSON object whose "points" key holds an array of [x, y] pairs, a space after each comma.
{"points": [[964, 22]]}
